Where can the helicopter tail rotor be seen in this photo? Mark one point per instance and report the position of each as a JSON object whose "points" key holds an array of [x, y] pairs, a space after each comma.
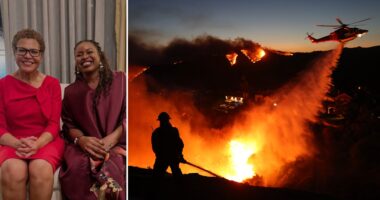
{"points": [[310, 37]]}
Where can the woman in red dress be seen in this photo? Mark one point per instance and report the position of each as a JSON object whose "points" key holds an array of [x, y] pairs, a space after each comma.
{"points": [[30, 107], [93, 116]]}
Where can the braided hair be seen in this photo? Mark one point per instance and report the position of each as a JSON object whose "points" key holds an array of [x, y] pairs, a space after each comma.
{"points": [[105, 73]]}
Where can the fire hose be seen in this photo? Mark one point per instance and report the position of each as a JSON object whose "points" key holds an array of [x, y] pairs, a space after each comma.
{"points": [[201, 168]]}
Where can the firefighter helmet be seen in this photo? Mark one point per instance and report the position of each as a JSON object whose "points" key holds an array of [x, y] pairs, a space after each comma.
{"points": [[163, 116]]}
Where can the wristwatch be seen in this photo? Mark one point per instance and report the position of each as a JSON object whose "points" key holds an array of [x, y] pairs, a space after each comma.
{"points": [[76, 139]]}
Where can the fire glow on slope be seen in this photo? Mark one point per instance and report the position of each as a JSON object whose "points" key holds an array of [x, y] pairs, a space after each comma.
{"points": [[280, 133], [231, 57], [240, 153], [266, 137], [254, 55]]}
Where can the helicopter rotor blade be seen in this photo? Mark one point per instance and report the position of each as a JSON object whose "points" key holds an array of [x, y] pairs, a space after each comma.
{"points": [[360, 21], [340, 22], [343, 25], [329, 25]]}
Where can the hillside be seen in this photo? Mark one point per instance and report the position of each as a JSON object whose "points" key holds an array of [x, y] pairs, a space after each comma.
{"points": [[194, 186]]}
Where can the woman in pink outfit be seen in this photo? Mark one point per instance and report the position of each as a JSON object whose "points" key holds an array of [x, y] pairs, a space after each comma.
{"points": [[30, 107]]}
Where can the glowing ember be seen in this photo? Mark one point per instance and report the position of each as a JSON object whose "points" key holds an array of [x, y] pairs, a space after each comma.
{"points": [[135, 71], [240, 153], [232, 58]]}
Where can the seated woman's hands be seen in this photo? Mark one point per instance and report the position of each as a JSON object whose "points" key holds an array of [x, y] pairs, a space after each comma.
{"points": [[93, 146], [27, 147]]}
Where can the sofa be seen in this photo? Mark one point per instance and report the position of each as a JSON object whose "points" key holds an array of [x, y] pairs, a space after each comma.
{"points": [[56, 187]]}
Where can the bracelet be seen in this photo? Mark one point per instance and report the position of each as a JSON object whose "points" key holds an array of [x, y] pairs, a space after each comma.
{"points": [[76, 140]]}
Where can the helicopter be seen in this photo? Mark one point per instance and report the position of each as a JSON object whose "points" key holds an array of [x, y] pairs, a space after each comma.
{"points": [[342, 34]]}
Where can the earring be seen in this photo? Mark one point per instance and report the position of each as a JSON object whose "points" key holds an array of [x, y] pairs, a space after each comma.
{"points": [[101, 65]]}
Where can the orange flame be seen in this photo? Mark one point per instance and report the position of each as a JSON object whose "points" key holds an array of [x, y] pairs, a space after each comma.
{"points": [[232, 58], [261, 53], [240, 154], [255, 55]]}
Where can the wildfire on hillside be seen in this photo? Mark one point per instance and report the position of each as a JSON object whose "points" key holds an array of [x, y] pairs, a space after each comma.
{"points": [[254, 55], [259, 142]]}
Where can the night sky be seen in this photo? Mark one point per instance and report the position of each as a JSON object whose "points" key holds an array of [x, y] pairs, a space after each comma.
{"points": [[281, 25]]}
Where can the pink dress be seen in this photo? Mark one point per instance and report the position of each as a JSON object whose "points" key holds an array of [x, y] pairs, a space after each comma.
{"points": [[28, 111]]}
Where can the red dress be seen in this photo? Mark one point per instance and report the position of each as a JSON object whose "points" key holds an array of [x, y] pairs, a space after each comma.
{"points": [[28, 111]]}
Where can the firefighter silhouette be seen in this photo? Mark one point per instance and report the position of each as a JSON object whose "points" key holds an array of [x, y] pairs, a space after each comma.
{"points": [[167, 146]]}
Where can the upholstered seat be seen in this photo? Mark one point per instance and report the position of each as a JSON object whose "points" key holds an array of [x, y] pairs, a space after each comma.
{"points": [[56, 187]]}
